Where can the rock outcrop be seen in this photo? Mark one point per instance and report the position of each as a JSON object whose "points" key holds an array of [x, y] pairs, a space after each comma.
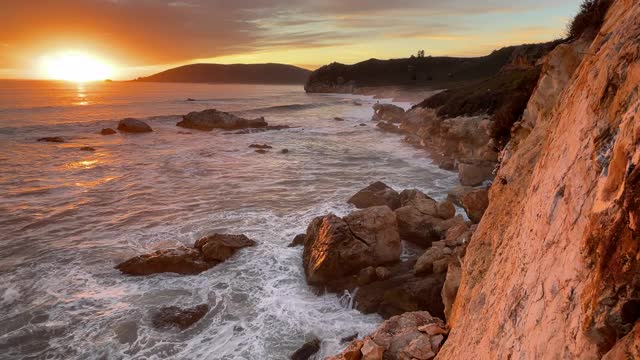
{"points": [[413, 335], [552, 269], [423, 221], [376, 194], [210, 119], [131, 125], [206, 253], [336, 247], [175, 317], [388, 112]]}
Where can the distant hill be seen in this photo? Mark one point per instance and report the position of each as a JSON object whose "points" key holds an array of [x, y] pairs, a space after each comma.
{"points": [[434, 72], [232, 74]]}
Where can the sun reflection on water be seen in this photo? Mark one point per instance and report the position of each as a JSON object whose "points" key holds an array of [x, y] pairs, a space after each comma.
{"points": [[82, 164]]}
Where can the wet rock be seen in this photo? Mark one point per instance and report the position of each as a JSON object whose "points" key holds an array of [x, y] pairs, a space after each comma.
{"points": [[182, 260], [475, 203], [262, 129], [338, 119], [298, 240], [284, 151], [133, 126], [184, 133], [425, 263], [356, 103], [55, 139], [418, 222], [261, 151], [219, 247], [366, 275], [376, 194], [446, 210], [87, 148], [175, 317], [191, 99], [382, 273], [107, 131], [389, 127], [126, 332], [388, 112], [409, 195], [210, 119], [260, 146], [307, 350], [347, 339], [474, 173], [363, 124], [413, 335], [447, 163], [336, 247]]}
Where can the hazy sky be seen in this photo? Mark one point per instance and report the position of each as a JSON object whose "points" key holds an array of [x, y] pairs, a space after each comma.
{"points": [[138, 37]]}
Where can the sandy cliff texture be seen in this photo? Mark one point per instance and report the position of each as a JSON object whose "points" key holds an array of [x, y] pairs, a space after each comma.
{"points": [[552, 271]]}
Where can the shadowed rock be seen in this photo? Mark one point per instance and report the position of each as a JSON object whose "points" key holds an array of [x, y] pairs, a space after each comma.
{"points": [[175, 317], [260, 146], [55, 139], [107, 131], [133, 126], [307, 350], [388, 112], [219, 247], [87, 148], [376, 194], [298, 240], [210, 119]]}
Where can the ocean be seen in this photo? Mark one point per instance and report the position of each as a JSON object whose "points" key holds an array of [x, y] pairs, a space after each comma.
{"points": [[67, 217]]}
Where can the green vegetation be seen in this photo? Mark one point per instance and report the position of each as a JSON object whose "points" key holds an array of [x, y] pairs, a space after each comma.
{"points": [[589, 19]]}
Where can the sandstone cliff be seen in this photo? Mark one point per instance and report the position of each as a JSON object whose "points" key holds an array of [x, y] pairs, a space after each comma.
{"points": [[552, 271]]}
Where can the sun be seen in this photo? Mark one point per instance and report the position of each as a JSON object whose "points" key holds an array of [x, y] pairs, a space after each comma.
{"points": [[76, 66]]}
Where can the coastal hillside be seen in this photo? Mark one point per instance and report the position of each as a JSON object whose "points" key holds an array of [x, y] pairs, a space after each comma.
{"points": [[232, 74], [433, 72]]}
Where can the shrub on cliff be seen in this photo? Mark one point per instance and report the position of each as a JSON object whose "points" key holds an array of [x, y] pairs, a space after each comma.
{"points": [[589, 19], [506, 115]]}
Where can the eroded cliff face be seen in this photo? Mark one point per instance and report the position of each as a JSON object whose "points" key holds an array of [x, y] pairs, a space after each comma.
{"points": [[553, 268]]}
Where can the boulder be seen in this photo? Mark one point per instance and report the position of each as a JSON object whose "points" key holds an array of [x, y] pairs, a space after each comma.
{"points": [[107, 131], [457, 192], [389, 127], [408, 195], [181, 260], [474, 173], [210, 119], [338, 119], [261, 151], [307, 350], [284, 151], [220, 247], [336, 247], [133, 126], [419, 223], [425, 263], [413, 335], [446, 210], [175, 317], [388, 112], [475, 203], [298, 240], [55, 139], [376, 194], [260, 146], [87, 148]]}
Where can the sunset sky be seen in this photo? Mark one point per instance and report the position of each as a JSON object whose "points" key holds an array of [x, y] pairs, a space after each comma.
{"points": [[130, 38]]}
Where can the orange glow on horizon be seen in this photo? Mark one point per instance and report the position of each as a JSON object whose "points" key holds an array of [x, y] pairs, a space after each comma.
{"points": [[75, 66]]}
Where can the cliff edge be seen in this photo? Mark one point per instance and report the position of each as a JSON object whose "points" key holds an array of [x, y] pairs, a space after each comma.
{"points": [[553, 270]]}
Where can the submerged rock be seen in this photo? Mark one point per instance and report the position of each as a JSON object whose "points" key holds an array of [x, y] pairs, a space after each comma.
{"points": [[210, 119], [55, 139], [336, 247], [261, 151], [260, 146], [376, 194], [175, 317], [87, 148], [284, 151], [389, 127], [413, 335], [266, 128], [107, 131], [298, 240], [307, 350], [338, 119], [133, 126], [220, 247]]}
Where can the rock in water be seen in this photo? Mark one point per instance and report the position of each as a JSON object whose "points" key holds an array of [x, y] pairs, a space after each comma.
{"points": [[208, 120], [389, 127], [182, 260], [260, 146], [388, 112], [107, 131], [87, 148], [307, 350], [474, 173], [133, 126], [475, 203], [413, 335], [220, 247], [173, 316], [337, 247], [55, 139], [376, 194], [298, 240]]}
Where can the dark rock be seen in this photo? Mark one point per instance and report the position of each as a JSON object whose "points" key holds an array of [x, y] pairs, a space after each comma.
{"points": [[107, 131], [55, 139], [184, 133], [133, 126], [261, 151], [260, 146], [307, 350], [356, 103], [87, 148], [190, 99], [418, 222], [182, 260], [284, 151], [175, 317], [363, 124], [298, 240], [267, 128], [376, 194], [219, 247], [388, 112], [208, 120], [407, 196], [338, 119], [337, 247], [389, 127], [347, 339]]}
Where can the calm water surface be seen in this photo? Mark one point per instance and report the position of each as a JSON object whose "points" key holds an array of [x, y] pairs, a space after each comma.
{"points": [[68, 216]]}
